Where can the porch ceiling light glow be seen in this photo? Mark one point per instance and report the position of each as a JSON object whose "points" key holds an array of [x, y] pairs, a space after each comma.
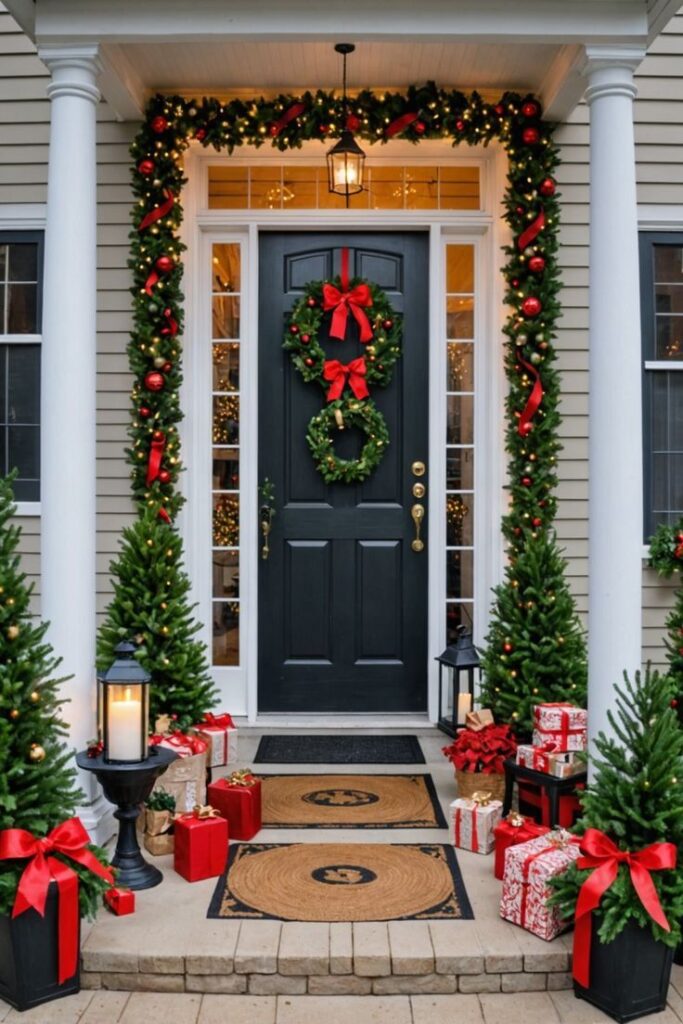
{"points": [[346, 160]]}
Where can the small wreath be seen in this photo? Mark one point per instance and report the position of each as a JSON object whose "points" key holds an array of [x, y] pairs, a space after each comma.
{"points": [[357, 299], [666, 549], [340, 414]]}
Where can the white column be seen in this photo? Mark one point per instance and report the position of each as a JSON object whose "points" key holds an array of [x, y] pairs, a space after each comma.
{"points": [[68, 380], [615, 528]]}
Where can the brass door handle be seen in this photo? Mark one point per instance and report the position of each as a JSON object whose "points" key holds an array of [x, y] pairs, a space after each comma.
{"points": [[266, 527], [417, 511]]}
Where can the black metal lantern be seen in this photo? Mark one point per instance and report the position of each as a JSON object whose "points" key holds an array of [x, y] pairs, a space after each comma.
{"points": [[124, 708], [346, 160], [457, 666]]}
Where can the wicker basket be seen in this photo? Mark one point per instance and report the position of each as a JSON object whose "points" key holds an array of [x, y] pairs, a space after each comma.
{"points": [[478, 782]]}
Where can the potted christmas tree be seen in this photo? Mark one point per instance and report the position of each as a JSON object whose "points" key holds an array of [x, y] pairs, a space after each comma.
{"points": [[625, 892], [39, 929]]}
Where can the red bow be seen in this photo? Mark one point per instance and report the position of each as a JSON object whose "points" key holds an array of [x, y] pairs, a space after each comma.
{"points": [[337, 373], [223, 721], [71, 840], [343, 301], [184, 745], [605, 857]]}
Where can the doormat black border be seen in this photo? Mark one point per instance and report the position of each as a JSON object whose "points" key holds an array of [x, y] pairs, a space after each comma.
{"points": [[268, 752], [441, 821], [250, 913]]}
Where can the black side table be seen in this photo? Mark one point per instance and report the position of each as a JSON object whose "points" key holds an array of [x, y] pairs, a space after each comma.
{"points": [[553, 786], [127, 786]]}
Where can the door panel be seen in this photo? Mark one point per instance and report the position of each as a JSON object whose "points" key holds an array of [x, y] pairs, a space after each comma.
{"points": [[343, 597]]}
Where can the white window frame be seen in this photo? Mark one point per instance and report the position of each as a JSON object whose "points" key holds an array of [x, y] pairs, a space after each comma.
{"points": [[487, 231]]}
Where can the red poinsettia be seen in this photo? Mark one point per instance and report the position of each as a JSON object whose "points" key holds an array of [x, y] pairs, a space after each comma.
{"points": [[482, 751]]}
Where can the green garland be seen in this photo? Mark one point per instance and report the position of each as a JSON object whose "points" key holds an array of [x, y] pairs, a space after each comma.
{"points": [[666, 558], [341, 414]]}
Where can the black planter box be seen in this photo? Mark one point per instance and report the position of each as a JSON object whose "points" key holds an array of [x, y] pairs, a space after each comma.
{"points": [[629, 977], [28, 957]]}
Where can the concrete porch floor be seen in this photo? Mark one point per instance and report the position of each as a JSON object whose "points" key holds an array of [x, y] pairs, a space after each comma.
{"points": [[168, 964]]}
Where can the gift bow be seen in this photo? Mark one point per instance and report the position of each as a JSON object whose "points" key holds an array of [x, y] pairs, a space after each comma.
{"points": [[605, 857], [482, 797], [205, 811], [181, 742], [242, 777], [223, 721], [71, 840], [355, 299], [338, 373], [515, 819]]}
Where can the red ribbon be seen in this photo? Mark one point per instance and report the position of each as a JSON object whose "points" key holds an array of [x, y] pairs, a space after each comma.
{"points": [[71, 840], [185, 745], [150, 282], [223, 721], [288, 116], [458, 819], [156, 454], [532, 232], [163, 514], [158, 212], [171, 328], [605, 858], [338, 373], [533, 402], [565, 731], [400, 124]]}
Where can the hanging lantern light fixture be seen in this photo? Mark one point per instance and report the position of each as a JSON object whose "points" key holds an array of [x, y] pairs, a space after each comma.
{"points": [[346, 160]]}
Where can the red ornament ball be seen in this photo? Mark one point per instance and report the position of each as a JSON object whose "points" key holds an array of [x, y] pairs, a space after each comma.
{"points": [[352, 123], [293, 329], [531, 136], [531, 306], [167, 367], [159, 124], [420, 127], [164, 264], [507, 648], [519, 210], [526, 480], [311, 302], [200, 134], [164, 476], [515, 282], [530, 109], [146, 167], [158, 435], [536, 264], [154, 381], [536, 521], [305, 338], [547, 187], [273, 130], [309, 361], [387, 324], [144, 413], [460, 125], [499, 109]]}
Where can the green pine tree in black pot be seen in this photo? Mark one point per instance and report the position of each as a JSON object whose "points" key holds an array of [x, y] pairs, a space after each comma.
{"points": [[631, 830]]}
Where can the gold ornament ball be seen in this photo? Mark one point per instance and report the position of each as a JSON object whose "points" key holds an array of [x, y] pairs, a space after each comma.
{"points": [[14, 714], [34, 697], [36, 753], [159, 361], [12, 632]]}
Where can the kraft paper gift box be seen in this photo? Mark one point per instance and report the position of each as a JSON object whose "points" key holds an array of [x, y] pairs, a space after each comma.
{"points": [[238, 798], [201, 844], [562, 724], [220, 732], [159, 832], [512, 831], [560, 765], [473, 822], [528, 869], [185, 778], [120, 901], [478, 720]]}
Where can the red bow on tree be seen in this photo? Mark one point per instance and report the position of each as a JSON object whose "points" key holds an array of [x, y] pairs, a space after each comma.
{"points": [[71, 840], [605, 857], [337, 373]]}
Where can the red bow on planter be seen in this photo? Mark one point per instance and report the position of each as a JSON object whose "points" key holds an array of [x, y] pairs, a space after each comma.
{"points": [[337, 373], [71, 840], [357, 300], [605, 857]]}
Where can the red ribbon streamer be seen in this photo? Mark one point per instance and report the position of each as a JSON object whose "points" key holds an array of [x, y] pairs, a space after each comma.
{"points": [[605, 858], [533, 402], [70, 839], [338, 373], [343, 301], [288, 116], [163, 514], [156, 454], [158, 212], [532, 232], [171, 328], [150, 282], [400, 124]]}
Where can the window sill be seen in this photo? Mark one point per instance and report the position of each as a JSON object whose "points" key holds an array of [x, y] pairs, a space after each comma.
{"points": [[28, 508]]}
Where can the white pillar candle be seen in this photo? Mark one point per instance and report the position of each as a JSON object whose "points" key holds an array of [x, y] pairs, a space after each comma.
{"points": [[123, 720], [464, 706]]}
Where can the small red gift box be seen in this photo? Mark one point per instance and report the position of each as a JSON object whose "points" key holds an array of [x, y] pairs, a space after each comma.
{"points": [[562, 724], [201, 844], [238, 798], [534, 801], [120, 901], [512, 831]]}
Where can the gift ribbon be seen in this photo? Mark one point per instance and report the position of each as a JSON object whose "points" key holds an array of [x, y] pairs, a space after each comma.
{"points": [[204, 811], [342, 300], [223, 721], [71, 840], [532, 232], [533, 402], [156, 454], [286, 118], [556, 841], [399, 124], [605, 858], [479, 799], [179, 740], [241, 777], [564, 730], [158, 212], [337, 374]]}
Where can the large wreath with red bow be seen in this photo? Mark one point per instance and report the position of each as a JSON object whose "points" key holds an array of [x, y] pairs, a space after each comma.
{"points": [[347, 385]]}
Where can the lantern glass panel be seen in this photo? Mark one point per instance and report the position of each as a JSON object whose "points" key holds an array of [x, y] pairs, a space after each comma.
{"points": [[446, 691], [126, 713]]}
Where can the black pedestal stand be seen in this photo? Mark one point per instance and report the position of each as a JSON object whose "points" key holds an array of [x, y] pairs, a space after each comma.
{"points": [[127, 786]]}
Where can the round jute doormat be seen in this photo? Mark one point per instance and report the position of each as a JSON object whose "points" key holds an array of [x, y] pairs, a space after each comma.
{"points": [[341, 882]]}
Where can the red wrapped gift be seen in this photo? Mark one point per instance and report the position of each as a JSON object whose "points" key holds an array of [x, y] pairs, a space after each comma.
{"points": [[221, 732], [562, 724], [238, 798], [120, 901], [512, 831], [201, 844], [534, 801], [526, 890]]}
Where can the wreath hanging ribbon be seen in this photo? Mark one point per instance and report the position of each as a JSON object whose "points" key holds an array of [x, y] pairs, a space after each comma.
{"points": [[355, 300]]}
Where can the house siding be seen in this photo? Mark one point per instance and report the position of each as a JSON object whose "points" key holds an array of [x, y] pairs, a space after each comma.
{"points": [[24, 135]]}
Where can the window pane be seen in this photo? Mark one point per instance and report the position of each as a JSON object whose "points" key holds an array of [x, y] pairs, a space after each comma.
{"points": [[226, 633], [266, 188], [460, 317], [458, 615], [226, 520], [459, 268], [226, 267], [228, 187], [23, 451], [668, 263], [386, 188], [669, 298], [460, 373], [23, 261], [226, 469], [460, 425], [459, 188], [460, 469], [22, 316], [23, 384], [226, 415], [421, 188], [226, 367], [459, 574], [459, 520], [226, 574], [669, 337], [226, 316]]}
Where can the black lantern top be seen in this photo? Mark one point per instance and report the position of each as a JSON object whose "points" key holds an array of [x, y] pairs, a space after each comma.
{"points": [[461, 654], [126, 670]]}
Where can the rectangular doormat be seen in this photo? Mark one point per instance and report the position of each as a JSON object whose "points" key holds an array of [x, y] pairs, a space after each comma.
{"points": [[341, 882], [339, 750], [350, 801]]}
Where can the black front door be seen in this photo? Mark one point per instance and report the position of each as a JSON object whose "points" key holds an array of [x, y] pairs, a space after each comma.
{"points": [[342, 597]]}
